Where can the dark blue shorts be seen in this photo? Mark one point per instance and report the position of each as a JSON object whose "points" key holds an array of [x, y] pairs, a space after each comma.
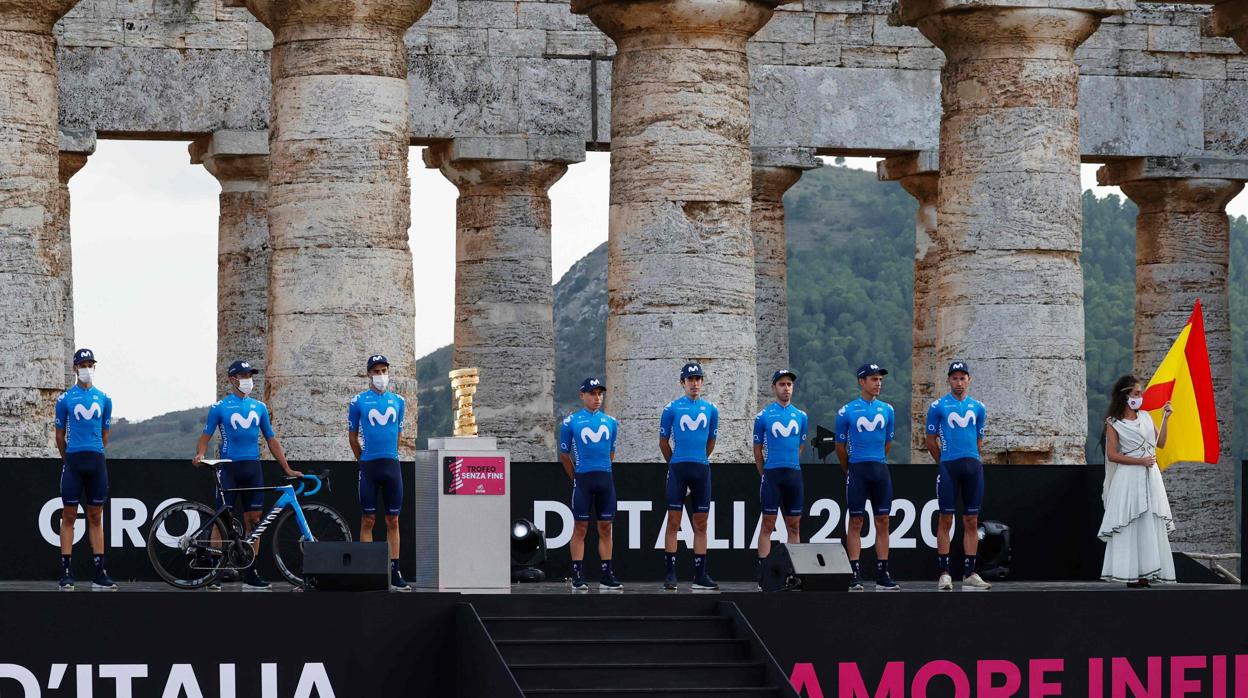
{"points": [[242, 473], [593, 491], [691, 478], [965, 475], [381, 473], [84, 471], [781, 491], [869, 481]]}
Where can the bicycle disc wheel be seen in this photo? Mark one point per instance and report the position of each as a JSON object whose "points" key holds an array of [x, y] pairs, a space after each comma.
{"points": [[183, 548], [325, 524]]}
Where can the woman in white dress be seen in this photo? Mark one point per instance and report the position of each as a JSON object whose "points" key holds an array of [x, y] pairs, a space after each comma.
{"points": [[1137, 519]]}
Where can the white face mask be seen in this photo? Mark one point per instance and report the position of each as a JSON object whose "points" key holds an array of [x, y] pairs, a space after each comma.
{"points": [[380, 381], [245, 385], [1135, 402], [86, 374]]}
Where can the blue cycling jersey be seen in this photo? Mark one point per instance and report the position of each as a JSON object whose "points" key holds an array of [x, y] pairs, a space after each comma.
{"points": [[378, 419], [241, 420], [781, 431], [84, 414], [590, 438], [959, 424], [689, 424], [865, 427]]}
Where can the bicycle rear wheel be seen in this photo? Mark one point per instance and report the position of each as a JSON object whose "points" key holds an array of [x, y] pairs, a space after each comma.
{"points": [[185, 544], [325, 524]]}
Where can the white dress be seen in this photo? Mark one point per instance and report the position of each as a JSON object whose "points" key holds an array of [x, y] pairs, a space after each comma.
{"points": [[1137, 519]]}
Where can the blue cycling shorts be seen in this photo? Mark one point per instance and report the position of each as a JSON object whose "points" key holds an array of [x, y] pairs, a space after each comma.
{"points": [[593, 491], [781, 491], [693, 479], [872, 481], [383, 474], [242, 473], [965, 475], [84, 471]]}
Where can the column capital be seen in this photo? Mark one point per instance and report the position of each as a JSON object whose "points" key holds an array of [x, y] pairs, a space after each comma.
{"points": [[311, 19], [504, 165], [1038, 29], [699, 23], [911, 12], [1229, 18], [790, 157], [75, 146], [530, 148], [1121, 172], [918, 173], [35, 17], [238, 159]]}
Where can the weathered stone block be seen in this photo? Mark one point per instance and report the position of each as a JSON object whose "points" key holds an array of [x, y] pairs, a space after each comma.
{"points": [[1141, 115], [488, 14], [789, 27], [89, 32], [548, 15], [575, 43], [516, 42], [843, 29], [463, 95], [828, 55]]}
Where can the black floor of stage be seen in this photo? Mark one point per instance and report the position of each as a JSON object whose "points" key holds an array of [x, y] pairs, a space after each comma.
{"points": [[656, 588]]}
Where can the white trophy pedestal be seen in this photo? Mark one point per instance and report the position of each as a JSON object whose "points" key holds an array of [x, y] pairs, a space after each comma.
{"points": [[463, 539]]}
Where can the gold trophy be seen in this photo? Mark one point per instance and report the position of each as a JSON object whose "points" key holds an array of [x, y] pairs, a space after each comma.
{"points": [[464, 385]]}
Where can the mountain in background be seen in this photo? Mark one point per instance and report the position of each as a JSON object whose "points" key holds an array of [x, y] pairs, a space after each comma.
{"points": [[851, 286]]}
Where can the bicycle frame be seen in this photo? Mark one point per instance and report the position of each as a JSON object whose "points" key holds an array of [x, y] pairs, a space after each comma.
{"points": [[289, 498]]}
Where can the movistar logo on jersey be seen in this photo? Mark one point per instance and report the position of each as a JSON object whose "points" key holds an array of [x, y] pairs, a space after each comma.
{"points": [[376, 418], [82, 412], [871, 425], [779, 430], [238, 421], [588, 434], [688, 423], [961, 420]]}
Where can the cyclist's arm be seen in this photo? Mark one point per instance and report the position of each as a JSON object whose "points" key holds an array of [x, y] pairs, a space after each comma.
{"points": [[200, 447], [104, 437], [60, 442], [275, 447], [354, 438]]}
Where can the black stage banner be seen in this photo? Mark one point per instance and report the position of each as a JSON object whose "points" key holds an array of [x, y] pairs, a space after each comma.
{"points": [[1052, 511]]}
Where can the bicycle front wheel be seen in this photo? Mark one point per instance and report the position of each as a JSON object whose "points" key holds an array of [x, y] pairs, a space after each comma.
{"points": [[325, 524], [185, 544]]}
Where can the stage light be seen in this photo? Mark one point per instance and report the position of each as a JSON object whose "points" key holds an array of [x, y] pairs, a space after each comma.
{"points": [[528, 550], [994, 550]]}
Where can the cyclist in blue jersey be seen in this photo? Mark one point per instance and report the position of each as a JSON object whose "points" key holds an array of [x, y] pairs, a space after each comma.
{"points": [[377, 416], [586, 449], [241, 421], [864, 435], [779, 436], [955, 438], [83, 416], [687, 432]]}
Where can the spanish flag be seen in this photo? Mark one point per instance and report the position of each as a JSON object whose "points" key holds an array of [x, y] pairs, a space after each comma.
{"points": [[1185, 380]]}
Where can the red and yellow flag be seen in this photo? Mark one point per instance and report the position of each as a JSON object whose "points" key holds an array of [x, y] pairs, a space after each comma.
{"points": [[1185, 380]]}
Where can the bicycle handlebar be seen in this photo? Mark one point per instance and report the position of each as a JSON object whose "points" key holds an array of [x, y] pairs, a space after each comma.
{"points": [[320, 478]]}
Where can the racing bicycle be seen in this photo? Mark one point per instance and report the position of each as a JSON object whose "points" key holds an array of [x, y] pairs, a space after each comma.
{"points": [[191, 544]]}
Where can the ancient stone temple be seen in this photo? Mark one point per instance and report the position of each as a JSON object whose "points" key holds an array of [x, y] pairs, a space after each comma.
{"points": [[305, 111]]}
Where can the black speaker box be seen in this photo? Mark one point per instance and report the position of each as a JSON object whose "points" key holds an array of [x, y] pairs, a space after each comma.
{"points": [[346, 566], [807, 567]]}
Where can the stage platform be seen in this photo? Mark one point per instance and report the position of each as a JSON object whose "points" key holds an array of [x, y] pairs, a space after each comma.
{"points": [[1021, 638]]}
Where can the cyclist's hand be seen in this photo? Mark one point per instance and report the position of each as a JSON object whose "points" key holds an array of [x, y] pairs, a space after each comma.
{"points": [[294, 473], [195, 459]]}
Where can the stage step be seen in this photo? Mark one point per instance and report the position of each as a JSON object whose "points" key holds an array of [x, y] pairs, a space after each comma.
{"points": [[599, 651], [536, 677], [629, 648], [615, 627]]}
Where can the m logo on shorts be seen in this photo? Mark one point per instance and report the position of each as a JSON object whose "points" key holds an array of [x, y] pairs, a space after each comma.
{"points": [[588, 434], [779, 430], [376, 418], [961, 420], [238, 421], [875, 422], [689, 424], [81, 412]]}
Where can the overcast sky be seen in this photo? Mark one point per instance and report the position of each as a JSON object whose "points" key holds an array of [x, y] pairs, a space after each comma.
{"points": [[144, 226]]}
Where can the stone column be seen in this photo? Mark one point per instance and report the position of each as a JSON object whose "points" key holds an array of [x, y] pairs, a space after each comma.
{"points": [[1010, 288], [32, 346], [503, 295], [1182, 248], [775, 171], [340, 280], [240, 162], [76, 145], [919, 174], [680, 271]]}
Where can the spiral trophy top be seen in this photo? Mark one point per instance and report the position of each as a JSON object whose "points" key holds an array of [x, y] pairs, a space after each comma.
{"points": [[463, 386]]}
